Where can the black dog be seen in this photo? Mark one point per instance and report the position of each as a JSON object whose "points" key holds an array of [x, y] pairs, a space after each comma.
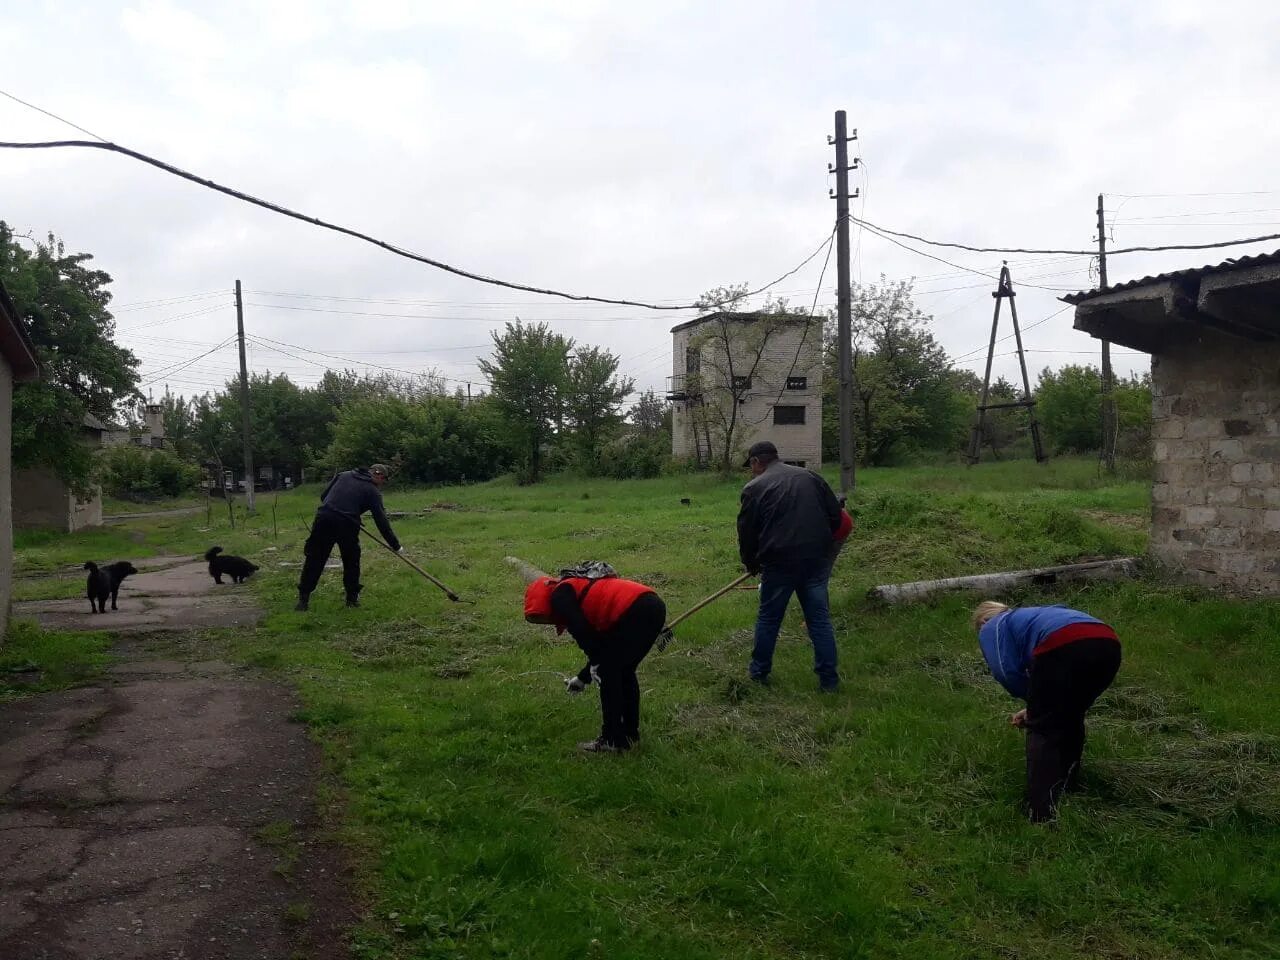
{"points": [[237, 568], [105, 582]]}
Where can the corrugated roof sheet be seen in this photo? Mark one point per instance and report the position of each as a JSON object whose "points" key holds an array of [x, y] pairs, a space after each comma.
{"points": [[1235, 263]]}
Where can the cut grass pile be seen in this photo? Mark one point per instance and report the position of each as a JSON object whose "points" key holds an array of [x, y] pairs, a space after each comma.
{"points": [[770, 823]]}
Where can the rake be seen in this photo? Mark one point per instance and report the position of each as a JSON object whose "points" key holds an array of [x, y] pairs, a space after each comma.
{"points": [[400, 556], [666, 636]]}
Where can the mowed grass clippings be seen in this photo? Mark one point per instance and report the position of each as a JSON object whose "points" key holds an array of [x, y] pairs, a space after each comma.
{"points": [[773, 822]]}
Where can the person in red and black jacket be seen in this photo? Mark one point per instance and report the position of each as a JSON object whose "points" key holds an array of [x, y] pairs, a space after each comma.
{"points": [[615, 622]]}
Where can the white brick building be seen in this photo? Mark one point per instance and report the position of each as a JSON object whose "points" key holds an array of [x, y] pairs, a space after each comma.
{"points": [[1214, 338], [739, 378]]}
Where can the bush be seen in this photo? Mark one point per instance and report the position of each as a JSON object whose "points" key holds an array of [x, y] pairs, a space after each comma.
{"points": [[635, 457], [430, 439], [138, 473]]}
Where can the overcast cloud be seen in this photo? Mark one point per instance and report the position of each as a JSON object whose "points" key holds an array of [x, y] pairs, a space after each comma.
{"points": [[647, 151]]}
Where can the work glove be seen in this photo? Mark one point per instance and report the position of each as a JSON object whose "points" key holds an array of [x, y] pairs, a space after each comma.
{"points": [[573, 685], [595, 674]]}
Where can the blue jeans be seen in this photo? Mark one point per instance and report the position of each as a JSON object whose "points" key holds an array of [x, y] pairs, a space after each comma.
{"points": [[808, 581]]}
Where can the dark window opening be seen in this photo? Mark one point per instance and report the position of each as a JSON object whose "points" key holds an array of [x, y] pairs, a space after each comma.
{"points": [[797, 383], [795, 463], [741, 383], [692, 361], [788, 415]]}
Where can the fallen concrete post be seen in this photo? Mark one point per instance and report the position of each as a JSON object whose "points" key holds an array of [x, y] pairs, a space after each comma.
{"points": [[993, 584], [528, 572]]}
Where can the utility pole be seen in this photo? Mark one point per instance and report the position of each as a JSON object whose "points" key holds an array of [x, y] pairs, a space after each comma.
{"points": [[1108, 386], [244, 404], [844, 331]]}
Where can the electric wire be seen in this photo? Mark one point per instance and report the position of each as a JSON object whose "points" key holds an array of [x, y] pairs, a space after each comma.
{"points": [[383, 244]]}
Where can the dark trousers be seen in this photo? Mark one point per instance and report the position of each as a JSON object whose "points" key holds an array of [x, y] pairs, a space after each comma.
{"points": [[1064, 683], [327, 530], [621, 651]]}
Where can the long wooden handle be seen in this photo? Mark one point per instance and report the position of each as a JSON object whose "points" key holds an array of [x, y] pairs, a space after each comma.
{"points": [[702, 603], [386, 546]]}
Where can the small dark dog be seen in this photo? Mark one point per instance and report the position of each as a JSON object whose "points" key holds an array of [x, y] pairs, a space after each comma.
{"points": [[237, 568], [105, 582]]}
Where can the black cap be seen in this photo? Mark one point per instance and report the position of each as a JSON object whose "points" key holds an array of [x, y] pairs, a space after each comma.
{"points": [[762, 448]]}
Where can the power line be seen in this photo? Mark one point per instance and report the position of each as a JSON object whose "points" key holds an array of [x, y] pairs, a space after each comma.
{"points": [[49, 113], [972, 249], [391, 248], [174, 368]]}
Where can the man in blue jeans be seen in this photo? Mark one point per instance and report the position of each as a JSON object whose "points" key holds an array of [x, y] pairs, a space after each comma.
{"points": [[788, 518]]}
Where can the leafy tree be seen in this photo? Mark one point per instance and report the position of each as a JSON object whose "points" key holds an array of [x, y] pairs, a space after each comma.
{"points": [[593, 400], [432, 439], [528, 375], [651, 416], [1069, 401], [906, 395], [289, 427], [63, 302], [139, 473]]}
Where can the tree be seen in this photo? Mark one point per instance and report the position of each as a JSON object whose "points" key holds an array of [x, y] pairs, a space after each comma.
{"points": [[730, 346], [1069, 402], [651, 416], [528, 376], [432, 439], [593, 400], [63, 302], [905, 394]]}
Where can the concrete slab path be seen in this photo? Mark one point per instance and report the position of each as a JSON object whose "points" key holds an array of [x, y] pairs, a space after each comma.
{"points": [[168, 812], [180, 596]]}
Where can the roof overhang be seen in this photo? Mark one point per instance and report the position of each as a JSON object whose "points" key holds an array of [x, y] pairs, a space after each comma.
{"points": [[15, 344], [1159, 313]]}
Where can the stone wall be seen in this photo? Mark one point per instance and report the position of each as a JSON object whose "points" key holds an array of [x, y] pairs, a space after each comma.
{"points": [[1216, 449], [41, 501]]}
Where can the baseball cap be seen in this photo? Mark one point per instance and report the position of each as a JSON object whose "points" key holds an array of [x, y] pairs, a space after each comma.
{"points": [[761, 448], [381, 468]]}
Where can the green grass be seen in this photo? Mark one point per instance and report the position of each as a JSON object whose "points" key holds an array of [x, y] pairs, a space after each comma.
{"points": [[37, 661], [769, 823]]}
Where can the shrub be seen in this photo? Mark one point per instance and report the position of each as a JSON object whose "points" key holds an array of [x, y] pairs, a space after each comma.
{"points": [[138, 473]]}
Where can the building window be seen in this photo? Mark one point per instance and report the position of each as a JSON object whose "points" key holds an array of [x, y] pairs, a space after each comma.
{"points": [[741, 383], [797, 383], [795, 463], [783, 416], [692, 362]]}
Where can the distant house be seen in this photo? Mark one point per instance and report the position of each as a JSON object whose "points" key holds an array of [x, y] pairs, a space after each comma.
{"points": [[44, 501], [741, 377], [150, 434], [17, 365], [1213, 333]]}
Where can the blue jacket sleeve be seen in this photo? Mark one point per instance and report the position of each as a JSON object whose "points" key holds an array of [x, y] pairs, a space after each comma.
{"points": [[1004, 653]]}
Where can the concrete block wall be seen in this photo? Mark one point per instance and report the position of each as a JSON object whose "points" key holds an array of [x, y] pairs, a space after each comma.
{"points": [[1215, 517]]}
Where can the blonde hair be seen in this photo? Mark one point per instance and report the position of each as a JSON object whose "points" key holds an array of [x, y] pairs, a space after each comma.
{"points": [[985, 611]]}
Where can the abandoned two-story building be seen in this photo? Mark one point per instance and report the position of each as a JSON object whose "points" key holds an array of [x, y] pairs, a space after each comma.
{"points": [[742, 377]]}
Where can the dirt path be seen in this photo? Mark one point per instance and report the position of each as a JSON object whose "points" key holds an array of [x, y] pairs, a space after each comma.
{"points": [[168, 812], [117, 518]]}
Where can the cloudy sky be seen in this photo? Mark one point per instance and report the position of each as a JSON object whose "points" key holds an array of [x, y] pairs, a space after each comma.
{"points": [[643, 151]]}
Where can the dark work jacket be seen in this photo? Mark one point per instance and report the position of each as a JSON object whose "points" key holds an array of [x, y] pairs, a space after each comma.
{"points": [[788, 515], [351, 494]]}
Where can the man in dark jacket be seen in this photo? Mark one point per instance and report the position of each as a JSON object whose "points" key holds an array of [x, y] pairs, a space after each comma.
{"points": [[785, 528], [348, 496]]}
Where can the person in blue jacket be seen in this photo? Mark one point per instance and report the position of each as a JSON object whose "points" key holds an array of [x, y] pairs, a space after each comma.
{"points": [[1059, 661]]}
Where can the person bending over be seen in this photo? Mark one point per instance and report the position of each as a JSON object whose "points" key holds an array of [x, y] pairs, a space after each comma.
{"points": [[1060, 661], [615, 622]]}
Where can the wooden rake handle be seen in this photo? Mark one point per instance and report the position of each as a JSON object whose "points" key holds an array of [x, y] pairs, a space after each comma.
{"points": [[702, 603], [385, 546]]}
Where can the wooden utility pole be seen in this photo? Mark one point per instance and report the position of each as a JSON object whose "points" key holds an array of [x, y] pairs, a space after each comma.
{"points": [[1108, 384], [844, 330], [244, 405]]}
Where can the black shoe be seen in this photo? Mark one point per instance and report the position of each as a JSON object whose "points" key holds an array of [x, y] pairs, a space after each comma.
{"points": [[353, 600], [301, 605], [762, 679]]}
